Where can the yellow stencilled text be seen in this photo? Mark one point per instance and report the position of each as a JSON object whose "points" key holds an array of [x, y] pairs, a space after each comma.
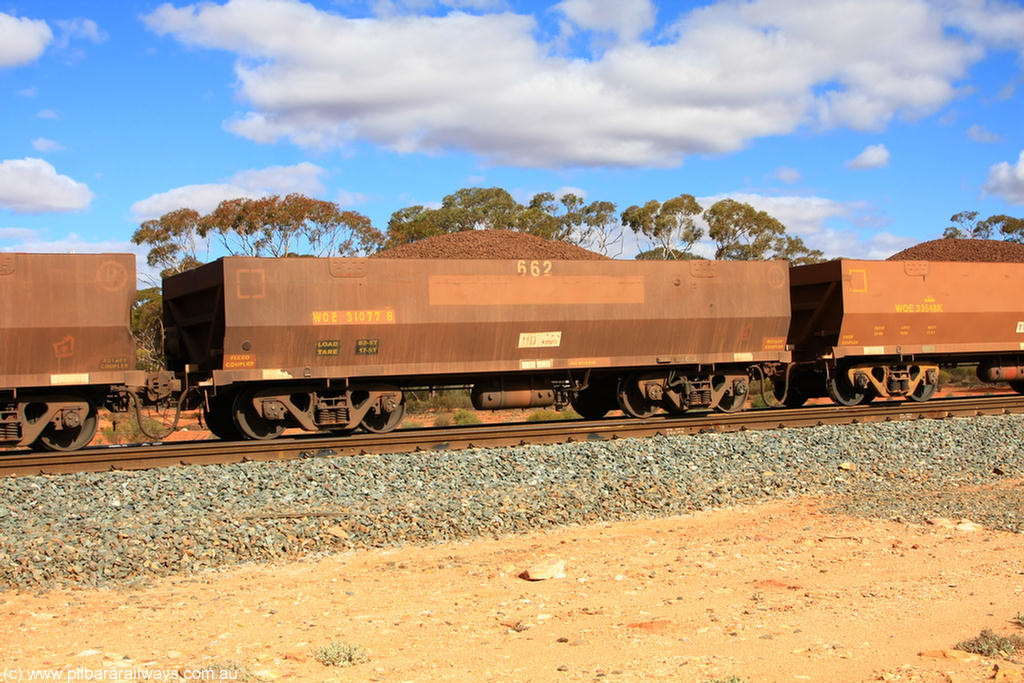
{"points": [[369, 317]]}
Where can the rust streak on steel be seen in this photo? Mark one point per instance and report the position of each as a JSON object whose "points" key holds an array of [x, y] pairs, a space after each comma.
{"points": [[453, 438]]}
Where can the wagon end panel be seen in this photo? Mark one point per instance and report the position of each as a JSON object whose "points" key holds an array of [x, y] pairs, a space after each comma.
{"points": [[193, 312], [65, 319]]}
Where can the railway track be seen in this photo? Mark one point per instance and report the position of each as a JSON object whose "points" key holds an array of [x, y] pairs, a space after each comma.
{"points": [[145, 456]]}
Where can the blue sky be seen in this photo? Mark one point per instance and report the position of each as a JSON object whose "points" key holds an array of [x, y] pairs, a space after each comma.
{"points": [[862, 125]]}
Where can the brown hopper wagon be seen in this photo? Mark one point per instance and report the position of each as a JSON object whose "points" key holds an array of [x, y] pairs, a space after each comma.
{"points": [[333, 343], [863, 329], [65, 344]]}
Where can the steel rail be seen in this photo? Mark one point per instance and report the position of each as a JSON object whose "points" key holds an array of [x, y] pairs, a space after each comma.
{"points": [[145, 456]]}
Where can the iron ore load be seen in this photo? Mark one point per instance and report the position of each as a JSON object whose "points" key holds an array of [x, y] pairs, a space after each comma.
{"points": [[336, 344]]}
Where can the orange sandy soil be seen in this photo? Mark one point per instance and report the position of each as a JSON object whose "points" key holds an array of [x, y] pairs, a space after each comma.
{"points": [[775, 592]]}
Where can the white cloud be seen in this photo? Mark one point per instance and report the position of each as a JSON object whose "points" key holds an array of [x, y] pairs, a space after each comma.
{"points": [[996, 22], [84, 29], [46, 145], [720, 76], [33, 186], [48, 114], [303, 178], [22, 40], [980, 134], [1007, 181], [786, 174], [626, 18], [29, 92], [873, 156]]}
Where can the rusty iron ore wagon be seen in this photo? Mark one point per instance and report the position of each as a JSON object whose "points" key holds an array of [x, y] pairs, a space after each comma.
{"points": [[864, 329], [334, 343], [66, 346]]}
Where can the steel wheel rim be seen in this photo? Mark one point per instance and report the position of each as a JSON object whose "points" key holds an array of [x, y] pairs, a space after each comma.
{"points": [[632, 402], [381, 423], [251, 424], [61, 440]]}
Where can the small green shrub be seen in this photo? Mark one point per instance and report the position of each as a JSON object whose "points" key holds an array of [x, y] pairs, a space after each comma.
{"points": [[990, 644], [337, 653], [730, 679], [1019, 619], [443, 420], [961, 375], [443, 400], [465, 417], [125, 429], [548, 414]]}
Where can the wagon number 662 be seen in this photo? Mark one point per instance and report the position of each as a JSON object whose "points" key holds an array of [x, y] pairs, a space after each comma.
{"points": [[533, 268]]}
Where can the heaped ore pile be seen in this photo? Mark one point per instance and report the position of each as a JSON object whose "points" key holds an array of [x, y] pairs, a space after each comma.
{"points": [[963, 250], [490, 244]]}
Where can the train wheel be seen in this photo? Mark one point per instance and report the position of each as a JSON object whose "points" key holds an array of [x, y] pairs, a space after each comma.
{"points": [[922, 393], [732, 403], [380, 423], [632, 400], [70, 438], [220, 419], [843, 393], [594, 402], [250, 423]]}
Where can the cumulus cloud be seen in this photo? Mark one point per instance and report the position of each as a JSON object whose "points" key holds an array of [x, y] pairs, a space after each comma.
{"points": [[626, 18], [873, 156], [33, 186], [22, 40], [718, 77], [980, 134], [1007, 181], [303, 178]]}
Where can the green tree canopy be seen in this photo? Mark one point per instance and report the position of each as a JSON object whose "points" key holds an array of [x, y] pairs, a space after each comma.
{"points": [[267, 226], [743, 233], [294, 225], [967, 226], [567, 218], [175, 240], [670, 227]]}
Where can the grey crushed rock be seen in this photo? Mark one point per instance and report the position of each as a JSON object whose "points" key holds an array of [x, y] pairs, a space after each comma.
{"points": [[116, 527]]}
